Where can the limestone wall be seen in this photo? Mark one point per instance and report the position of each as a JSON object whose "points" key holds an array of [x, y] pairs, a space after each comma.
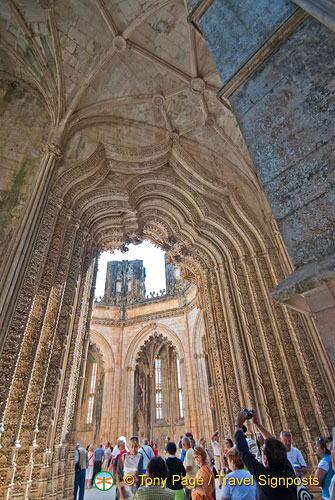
{"points": [[24, 126], [286, 113], [119, 343]]}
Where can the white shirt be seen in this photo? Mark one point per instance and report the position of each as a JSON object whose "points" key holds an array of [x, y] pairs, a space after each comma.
{"points": [[116, 451], [216, 448], [324, 465], [295, 457]]}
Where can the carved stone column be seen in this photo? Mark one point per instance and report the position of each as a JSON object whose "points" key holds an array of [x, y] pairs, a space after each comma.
{"points": [[128, 402], [82, 377], [223, 377], [269, 328], [78, 328], [19, 252], [194, 401], [107, 404], [19, 350], [36, 414], [240, 358], [204, 409]]}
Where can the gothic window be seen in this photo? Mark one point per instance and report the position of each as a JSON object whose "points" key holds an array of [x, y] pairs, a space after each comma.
{"points": [[158, 381], [92, 391], [180, 393]]}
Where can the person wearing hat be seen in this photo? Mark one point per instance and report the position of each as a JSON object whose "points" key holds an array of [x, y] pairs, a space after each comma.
{"points": [[81, 465]]}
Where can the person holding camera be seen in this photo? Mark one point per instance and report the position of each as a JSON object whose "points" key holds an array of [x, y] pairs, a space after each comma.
{"points": [[273, 477]]}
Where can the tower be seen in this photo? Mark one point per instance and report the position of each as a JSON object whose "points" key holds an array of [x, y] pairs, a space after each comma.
{"points": [[125, 282]]}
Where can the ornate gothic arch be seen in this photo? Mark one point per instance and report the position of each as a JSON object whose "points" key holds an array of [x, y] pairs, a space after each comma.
{"points": [[144, 334], [183, 180], [104, 347], [198, 330]]}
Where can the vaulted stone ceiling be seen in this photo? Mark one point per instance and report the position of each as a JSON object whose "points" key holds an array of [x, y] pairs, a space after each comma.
{"points": [[140, 147], [130, 88]]}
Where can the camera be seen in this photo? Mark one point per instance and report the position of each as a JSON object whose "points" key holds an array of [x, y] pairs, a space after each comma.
{"points": [[248, 412]]}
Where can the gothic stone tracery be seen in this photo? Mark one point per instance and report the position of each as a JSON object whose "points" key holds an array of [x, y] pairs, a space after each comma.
{"points": [[157, 158]]}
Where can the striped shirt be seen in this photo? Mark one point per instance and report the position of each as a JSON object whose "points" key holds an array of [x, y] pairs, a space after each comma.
{"points": [[154, 493]]}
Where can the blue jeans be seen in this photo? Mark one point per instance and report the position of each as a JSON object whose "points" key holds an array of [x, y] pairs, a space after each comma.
{"points": [[79, 481]]}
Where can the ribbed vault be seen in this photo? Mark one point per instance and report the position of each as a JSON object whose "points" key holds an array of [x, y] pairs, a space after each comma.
{"points": [[126, 195]]}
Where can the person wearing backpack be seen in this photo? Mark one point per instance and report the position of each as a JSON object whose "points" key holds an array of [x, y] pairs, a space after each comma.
{"points": [[147, 453], [81, 465], [175, 468]]}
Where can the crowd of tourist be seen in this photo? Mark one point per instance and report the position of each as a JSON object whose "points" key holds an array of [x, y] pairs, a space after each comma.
{"points": [[264, 468]]}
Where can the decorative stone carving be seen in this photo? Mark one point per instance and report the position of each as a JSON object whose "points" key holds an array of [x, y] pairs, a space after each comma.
{"points": [[157, 173], [119, 43], [47, 4], [52, 148], [210, 121], [197, 86], [174, 136], [158, 101]]}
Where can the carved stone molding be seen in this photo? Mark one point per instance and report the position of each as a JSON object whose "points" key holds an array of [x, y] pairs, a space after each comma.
{"points": [[47, 4], [159, 159], [119, 43], [52, 149], [158, 101], [197, 86]]}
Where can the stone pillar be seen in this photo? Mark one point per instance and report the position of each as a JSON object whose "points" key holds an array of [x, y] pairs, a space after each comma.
{"points": [[219, 353], [204, 409], [284, 379], [109, 396], [32, 453], [129, 398], [78, 328], [82, 377], [20, 248], [191, 387]]}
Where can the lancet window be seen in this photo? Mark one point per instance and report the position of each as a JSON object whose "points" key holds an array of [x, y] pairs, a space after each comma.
{"points": [[180, 392], [92, 391], [158, 381]]}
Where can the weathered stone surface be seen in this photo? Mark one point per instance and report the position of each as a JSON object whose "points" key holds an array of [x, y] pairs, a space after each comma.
{"points": [[288, 123], [24, 125], [116, 169], [234, 31]]}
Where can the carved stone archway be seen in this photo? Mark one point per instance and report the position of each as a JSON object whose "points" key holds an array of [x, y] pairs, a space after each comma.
{"points": [[150, 425], [234, 261], [139, 148]]}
